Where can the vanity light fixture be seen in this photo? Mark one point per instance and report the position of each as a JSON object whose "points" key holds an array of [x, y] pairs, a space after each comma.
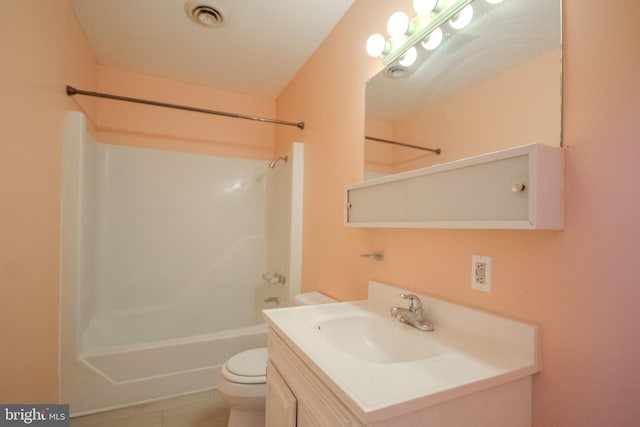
{"points": [[433, 40], [425, 28], [409, 58], [462, 19], [398, 25]]}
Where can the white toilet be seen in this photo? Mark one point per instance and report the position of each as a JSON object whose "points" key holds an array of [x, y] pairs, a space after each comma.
{"points": [[243, 383]]}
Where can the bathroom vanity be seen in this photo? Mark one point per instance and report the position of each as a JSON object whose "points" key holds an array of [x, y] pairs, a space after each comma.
{"points": [[351, 364]]}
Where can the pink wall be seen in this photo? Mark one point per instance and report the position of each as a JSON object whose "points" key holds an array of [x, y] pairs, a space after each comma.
{"points": [[579, 284], [169, 129], [41, 52]]}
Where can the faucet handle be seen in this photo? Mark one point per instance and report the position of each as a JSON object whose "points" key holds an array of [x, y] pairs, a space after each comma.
{"points": [[414, 301]]}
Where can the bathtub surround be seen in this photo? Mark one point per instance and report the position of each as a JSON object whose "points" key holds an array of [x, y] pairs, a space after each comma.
{"points": [[162, 255]]}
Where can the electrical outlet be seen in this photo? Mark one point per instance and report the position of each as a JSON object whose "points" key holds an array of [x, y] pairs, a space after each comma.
{"points": [[481, 273]]}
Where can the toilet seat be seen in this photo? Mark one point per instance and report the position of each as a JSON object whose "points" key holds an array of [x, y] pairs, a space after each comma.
{"points": [[247, 367]]}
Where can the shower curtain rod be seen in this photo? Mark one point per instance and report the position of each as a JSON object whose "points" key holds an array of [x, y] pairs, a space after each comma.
{"points": [[417, 147], [73, 91]]}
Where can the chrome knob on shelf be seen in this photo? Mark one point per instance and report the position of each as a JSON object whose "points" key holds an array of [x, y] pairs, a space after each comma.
{"points": [[518, 187]]}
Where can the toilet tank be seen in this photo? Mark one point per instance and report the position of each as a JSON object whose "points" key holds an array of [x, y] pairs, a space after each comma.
{"points": [[311, 298]]}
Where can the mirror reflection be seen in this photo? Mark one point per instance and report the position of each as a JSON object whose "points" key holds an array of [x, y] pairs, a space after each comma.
{"points": [[493, 85]]}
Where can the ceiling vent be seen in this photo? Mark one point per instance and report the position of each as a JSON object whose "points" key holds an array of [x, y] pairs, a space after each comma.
{"points": [[206, 13]]}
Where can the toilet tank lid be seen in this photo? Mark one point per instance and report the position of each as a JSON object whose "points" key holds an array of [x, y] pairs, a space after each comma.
{"points": [[310, 298], [250, 363]]}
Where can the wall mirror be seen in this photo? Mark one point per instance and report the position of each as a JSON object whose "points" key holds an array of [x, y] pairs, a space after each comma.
{"points": [[492, 85]]}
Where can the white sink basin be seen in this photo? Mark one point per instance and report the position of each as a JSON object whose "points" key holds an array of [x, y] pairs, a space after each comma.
{"points": [[371, 338], [380, 367]]}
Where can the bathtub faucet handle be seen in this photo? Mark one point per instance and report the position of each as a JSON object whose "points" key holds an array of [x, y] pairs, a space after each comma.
{"points": [[274, 278]]}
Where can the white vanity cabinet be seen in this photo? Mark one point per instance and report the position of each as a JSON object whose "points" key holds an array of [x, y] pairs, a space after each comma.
{"points": [[351, 364], [281, 406], [314, 404], [296, 396], [517, 188]]}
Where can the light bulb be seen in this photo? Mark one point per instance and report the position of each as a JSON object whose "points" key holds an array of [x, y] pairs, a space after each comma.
{"points": [[462, 19], [409, 57], [398, 24], [375, 45], [433, 40], [423, 7]]}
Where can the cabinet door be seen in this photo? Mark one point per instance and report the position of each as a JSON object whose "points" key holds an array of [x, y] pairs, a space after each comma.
{"points": [[281, 405], [382, 203], [317, 405], [306, 418], [480, 192]]}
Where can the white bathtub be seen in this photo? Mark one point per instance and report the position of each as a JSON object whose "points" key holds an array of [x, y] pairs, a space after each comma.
{"points": [[197, 358], [123, 375], [161, 272]]}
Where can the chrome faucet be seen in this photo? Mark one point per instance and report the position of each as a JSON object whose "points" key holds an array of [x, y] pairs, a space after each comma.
{"points": [[413, 315]]}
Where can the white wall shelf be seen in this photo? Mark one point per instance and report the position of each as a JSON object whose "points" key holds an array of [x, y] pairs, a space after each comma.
{"points": [[475, 192]]}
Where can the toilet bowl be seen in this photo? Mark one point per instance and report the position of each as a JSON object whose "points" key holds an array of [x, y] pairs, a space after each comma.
{"points": [[243, 383]]}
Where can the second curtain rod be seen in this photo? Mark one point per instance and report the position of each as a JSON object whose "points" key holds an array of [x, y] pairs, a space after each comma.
{"points": [[402, 144], [73, 91]]}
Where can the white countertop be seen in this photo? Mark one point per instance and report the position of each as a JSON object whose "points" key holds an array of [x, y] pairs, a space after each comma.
{"points": [[475, 351]]}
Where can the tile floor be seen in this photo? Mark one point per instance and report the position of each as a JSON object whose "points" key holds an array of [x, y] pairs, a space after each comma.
{"points": [[202, 409]]}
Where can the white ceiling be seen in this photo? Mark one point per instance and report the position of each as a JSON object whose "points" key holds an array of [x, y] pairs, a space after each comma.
{"points": [[257, 51]]}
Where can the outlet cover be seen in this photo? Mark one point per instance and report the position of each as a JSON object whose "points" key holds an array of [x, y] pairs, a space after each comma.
{"points": [[481, 273]]}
